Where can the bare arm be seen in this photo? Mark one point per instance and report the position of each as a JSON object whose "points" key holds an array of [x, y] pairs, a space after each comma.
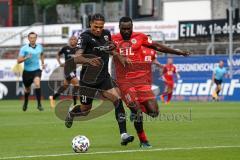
{"points": [[155, 61], [178, 75], [22, 59], [42, 58], [80, 59], [59, 60], [163, 48]]}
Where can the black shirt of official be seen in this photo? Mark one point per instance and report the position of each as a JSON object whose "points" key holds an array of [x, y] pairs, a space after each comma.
{"points": [[95, 46]]}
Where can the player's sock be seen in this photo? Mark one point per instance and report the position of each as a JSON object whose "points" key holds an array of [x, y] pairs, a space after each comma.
{"points": [[169, 97], [24, 107], [120, 116], [138, 124], [142, 136], [59, 91], [38, 95], [74, 100], [75, 94], [26, 95], [76, 111]]}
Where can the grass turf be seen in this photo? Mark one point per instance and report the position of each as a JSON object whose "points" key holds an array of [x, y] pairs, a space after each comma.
{"points": [[180, 125]]}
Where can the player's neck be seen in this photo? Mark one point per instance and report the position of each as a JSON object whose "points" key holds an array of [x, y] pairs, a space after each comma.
{"points": [[32, 45]]}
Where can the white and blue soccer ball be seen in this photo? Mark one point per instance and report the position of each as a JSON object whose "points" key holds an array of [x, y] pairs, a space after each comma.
{"points": [[80, 144]]}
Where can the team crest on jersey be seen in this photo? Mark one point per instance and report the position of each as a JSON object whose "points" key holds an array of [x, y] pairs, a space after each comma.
{"points": [[134, 41], [79, 44], [106, 38]]}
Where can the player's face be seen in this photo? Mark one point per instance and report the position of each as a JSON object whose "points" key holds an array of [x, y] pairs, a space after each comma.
{"points": [[32, 39], [221, 64], [97, 27], [73, 41], [170, 61], [126, 29]]}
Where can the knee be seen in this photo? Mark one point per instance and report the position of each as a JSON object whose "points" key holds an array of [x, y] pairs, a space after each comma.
{"points": [[27, 90], [154, 114]]}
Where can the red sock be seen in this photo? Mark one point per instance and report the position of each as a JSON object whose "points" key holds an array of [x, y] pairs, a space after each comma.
{"points": [[169, 96], [164, 94], [142, 137]]}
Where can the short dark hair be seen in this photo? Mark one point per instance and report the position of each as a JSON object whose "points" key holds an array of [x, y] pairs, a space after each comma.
{"points": [[125, 19], [32, 33], [97, 17]]}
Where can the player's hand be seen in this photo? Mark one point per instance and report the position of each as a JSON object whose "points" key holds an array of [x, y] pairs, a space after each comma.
{"points": [[28, 56], [62, 64], [44, 66], [94, 61], [183, 53], [112, 45], [124, 60]]}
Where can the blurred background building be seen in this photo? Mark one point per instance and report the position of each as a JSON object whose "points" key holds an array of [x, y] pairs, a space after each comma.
{"points": [[201, 13]]}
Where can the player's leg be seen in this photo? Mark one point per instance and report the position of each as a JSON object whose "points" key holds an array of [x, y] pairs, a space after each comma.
{"points": [[151, 107], [218, 90], [60, 90], [79, 110], [86, 98], [137, 118], [113, 95], [37, 81], [75, 84], [165, 93], [27, 81], [170, 92]]}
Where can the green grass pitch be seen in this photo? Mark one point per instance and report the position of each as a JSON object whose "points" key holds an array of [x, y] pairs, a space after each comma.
{"points": [[184, 131]]}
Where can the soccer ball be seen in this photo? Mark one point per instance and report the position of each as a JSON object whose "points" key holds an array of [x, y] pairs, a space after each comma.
{"points": [[80, 144]]}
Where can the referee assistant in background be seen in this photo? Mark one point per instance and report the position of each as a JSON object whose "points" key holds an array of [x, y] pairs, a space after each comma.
{"points": [[30, 54]]}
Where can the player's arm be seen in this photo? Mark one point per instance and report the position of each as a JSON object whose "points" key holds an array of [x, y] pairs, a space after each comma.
{"points": [[58, 57], [80, 59], [165, 49], [22, 56], [213, 77], [42, 57], [156, 62], [178, 75]]}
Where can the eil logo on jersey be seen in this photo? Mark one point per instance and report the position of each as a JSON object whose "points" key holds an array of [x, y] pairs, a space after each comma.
{"points": [[126, 51], [148, 59]]}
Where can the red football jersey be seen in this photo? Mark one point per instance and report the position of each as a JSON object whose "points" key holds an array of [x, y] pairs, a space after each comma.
{"points": [[168, 71], [131, 49], [148, 56]]}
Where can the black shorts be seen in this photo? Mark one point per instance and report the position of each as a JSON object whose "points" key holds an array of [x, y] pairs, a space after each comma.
{"points": [[70, 76], [28, 77], [217, 82], [89, 91]]}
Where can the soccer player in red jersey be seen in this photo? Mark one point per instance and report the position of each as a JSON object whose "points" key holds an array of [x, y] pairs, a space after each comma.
{"points": [[131, 74], [169, 70]]}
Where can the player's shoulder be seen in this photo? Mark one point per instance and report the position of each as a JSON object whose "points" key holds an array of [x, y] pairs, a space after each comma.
{"points": [[106, 32], [39, 45], [25, 46], [116, 36], [138, 34], [86, 33]]}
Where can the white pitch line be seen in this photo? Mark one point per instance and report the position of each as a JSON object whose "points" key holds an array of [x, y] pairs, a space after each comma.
{"points": [[120, 151]]}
